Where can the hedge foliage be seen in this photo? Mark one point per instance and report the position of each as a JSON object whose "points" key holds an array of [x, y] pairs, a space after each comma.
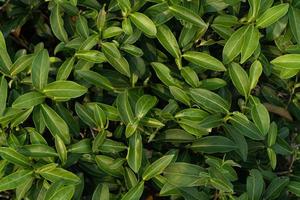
{"points": [[149, 99]]}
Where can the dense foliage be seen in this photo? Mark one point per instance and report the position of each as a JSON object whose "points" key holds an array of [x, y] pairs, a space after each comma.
{"points": [[149, 99]]}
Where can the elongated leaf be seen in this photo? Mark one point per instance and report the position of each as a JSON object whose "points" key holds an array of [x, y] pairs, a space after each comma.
{"points": [[3, 97], [14, 157], [144, 105], [5, 61], [210, 101], [135, 152], [65, 69], [272, 15], [187, 15], [82, 27], [163, 73], [168, 40], [294, 22], [288, 61], [61, 149], [64, 90], [180, 95], [135, 192], [261, 118], [240, 79], [213, 144], [254, 9], [28, 100], [57, 24], [255, 184], [157, 167], [91, 56], [276, 186], [95, 79], [21, 64], [124, 108], [40, 69], [251, 42], [57, 174], [254, 74], [204, 60], [293, 187], [101, 192], [144, 23], [55, 124], [13, 180], [58, 191]]}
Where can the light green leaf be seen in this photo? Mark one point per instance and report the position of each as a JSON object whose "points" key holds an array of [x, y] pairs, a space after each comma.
{"points": [[21, 64], [190, 76], [135, 192], [144, 23], [59, 191], [3, 97], [13, 180], [294, 22], [168, 40], [261, 118], [12, 156], [272, 134], [82, 26], [58, 174], [95, 79], [28, 100], [254, 9], [93, 56], [144, 105], [101, 192], [61, 149], [254, 73], [255, 185], [272, 157], [272, 15], [57, 24], [251, 42], [288, 61], [180, 95], [124, 108], [135, 152], [65, 69], [164, 74]]}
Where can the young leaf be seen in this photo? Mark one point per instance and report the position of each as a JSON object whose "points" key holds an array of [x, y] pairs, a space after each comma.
{"points": [[40, 69], [288, 61], [101, 192], [93, 56], [254, 73], [157, 167], [61, 149]]}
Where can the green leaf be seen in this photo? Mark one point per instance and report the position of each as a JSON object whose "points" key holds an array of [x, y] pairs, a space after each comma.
{"points": [[135, 152], [85, 114], [294, 22], [3, 97], [254, 73], [190, 76], [125, 5], [144, 105], [40, 69], [272, 157], [64, 90], [21, 64], [164, 74], [251, 42], [245, 127], [293, 187], [168, 40], [58, 191], [180, 95], [276, 187], [5, 61], [213, 144], [272, 15], [61, 149], [28, 100], [111, 32], [93, 56], [109, 165], [157, 167], [272, 134], [288, 62], [234, 44], [210, 101], [240, 79], [65, 69], [204, 60], [124, 108], [99, 116], [114, 58], [144, 23], [2, 41], [38, 150], [98, 141], [58, 174], [95, 79], [255, 185], [55, 124], [23, 188], [13, 180], [101, 192], [57, 24], [188, 15], [82, 26], [254, 9], [14, 157], [135, 192], [81, 147], [261, 118]]}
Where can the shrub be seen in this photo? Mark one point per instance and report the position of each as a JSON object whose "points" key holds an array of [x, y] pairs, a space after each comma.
{"points": [[136, 99]]}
